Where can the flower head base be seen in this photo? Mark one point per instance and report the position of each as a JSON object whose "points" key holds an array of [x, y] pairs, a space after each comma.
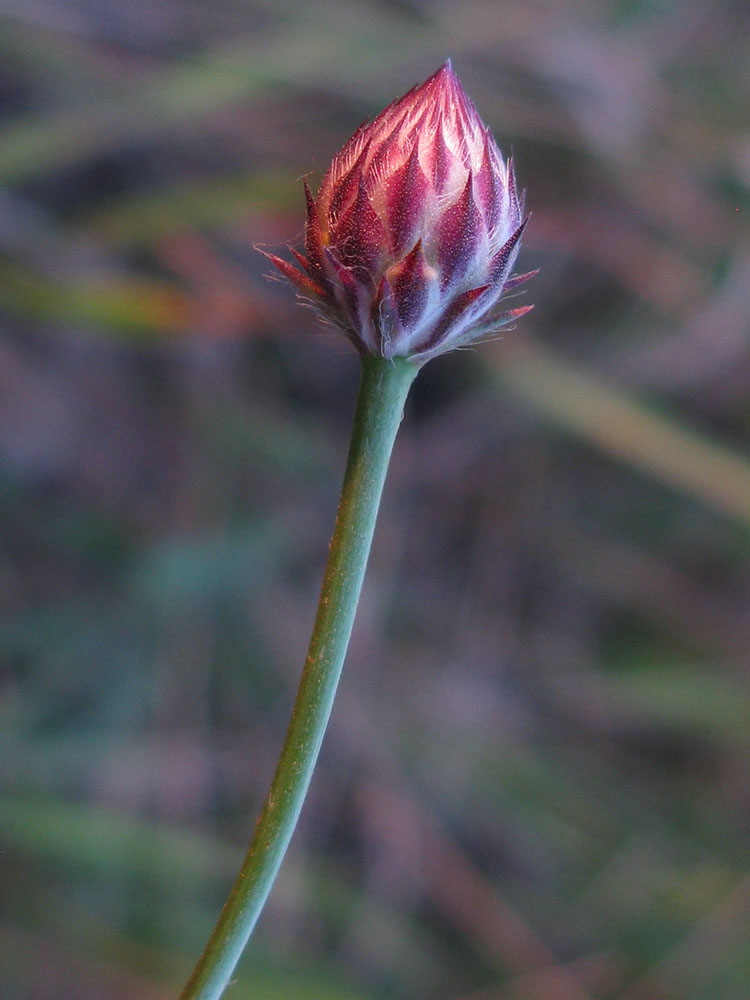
{"points": [[416, 227]]}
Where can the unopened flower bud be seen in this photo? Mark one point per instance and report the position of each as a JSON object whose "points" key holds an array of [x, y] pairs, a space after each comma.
{"points": [[410, 243]]}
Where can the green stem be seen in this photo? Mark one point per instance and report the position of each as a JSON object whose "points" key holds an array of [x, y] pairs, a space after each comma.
{"points": [[382, 393]]}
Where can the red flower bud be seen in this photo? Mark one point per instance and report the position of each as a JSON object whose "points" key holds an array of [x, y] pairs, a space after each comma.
{"points": [[416, 227]]}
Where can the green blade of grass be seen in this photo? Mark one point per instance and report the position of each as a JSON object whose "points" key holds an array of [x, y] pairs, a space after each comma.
{"points": [[624, 428]]}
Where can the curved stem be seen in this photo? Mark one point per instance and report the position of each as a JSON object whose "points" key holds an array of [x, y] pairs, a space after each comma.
{"points": [[382, 393]]}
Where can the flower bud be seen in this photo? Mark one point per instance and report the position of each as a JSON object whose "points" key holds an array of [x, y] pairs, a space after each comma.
{"points": [[410, 242]]}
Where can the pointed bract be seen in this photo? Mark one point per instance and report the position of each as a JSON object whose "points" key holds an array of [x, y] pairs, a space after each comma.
{"points": [[313, 240], [503, 260], [385, 318], [458, 236], [359, 237], [300, 281], [410, 242], [405, 201], [519, 279], [410, 280]]}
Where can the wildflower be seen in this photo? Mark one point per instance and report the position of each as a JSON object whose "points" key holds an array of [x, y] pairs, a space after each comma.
{"points": [[411, 240]]}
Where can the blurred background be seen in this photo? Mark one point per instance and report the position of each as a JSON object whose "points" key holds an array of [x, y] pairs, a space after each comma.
{"points": [[534, 786]]}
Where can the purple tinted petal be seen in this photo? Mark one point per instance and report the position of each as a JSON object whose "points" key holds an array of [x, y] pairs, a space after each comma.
{"points": [[301, 260], [489, 190], [406, 193], [359, 238], [458, 236], [453, 314], [349, 293], [345, 189], [342, 164], [509, 317], [518, 279], [498, 322], [516, 202], [304, 284], [385, 318], [410, 282], [389, 150], [313, 236], [441, 161], [503, 259]]}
